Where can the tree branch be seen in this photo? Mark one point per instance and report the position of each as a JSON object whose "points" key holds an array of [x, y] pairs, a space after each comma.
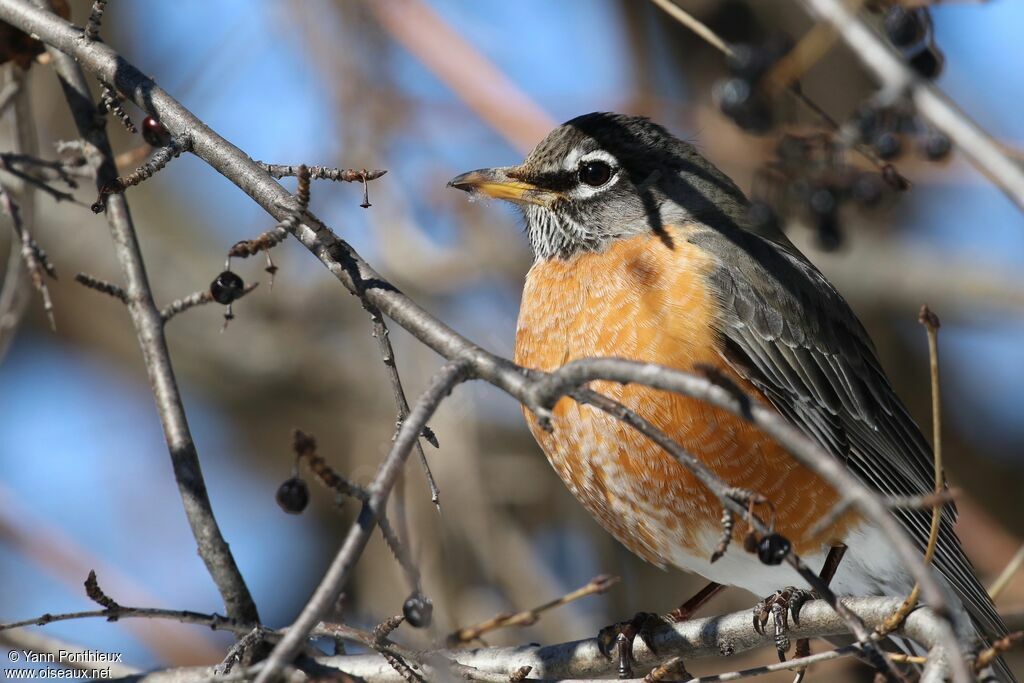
{"points": [[467, 634], [387, 355], [149, 327], [14, 291], [717, 636]]}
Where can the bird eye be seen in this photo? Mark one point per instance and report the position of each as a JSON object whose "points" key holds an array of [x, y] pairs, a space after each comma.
{"points": [[595, 173]]}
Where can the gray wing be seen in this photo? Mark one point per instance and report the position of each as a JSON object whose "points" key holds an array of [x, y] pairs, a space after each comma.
{"points": [[791, 334]]}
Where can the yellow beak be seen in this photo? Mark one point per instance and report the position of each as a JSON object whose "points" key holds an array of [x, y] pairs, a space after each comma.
{"points": [[496, 182]]}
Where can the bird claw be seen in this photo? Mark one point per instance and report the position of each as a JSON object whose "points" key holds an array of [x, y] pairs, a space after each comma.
{"points": [[779, 608], [618, 638]]}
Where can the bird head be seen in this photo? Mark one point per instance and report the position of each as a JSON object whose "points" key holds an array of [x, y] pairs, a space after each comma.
{"points": [[602, 177]]}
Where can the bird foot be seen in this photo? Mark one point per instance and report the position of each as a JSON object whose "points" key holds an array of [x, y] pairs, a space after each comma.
{"points": [[621, 636], [618, 639], [779, 608]]}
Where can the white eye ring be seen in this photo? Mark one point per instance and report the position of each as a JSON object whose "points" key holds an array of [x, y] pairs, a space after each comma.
{"points": [[574, 159]]}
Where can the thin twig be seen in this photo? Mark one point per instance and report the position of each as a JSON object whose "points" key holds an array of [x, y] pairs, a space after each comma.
{"points": [[92, 26], [399, 547], [161, 157], [242, 651], [672, 670], [15, 292], [111, 101], [212, 621], [925, 501], [691, 22], [196, 299], [797, 663], [346, 175], [387, 355], [36, 261], [467, 634], [262, 242], [900, 658], [271, 238], [990, 654], [304, 446], [39, 183], [65, 170], [931, 324], [99, 285], [520, 674], [1003, 580], [379, 643]]}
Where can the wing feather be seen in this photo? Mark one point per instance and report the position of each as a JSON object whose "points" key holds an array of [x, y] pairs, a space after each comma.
{"points": [[791, 334]]}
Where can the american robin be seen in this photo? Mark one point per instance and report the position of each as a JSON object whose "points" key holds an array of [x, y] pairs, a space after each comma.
{"points": [[643, 251]]}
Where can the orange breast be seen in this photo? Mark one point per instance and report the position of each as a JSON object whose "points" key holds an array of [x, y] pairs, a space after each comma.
{"points": [[646, 299]]}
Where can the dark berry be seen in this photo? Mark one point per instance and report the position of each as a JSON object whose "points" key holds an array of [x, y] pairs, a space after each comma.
{"points": [[773, 549], [801, 189], [418, 610], [937, 146], [928, 63], [758, 118], [867, 119], [154, 132], [738, 100], [293, 495], [791, 149], [867, 189], [824, 206], [762, 218], [733, 95], [749, 61], [905, 121], [906, 27], [829, 236], [227, 287], [887, 145], [753, 61], [822, 202]]}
